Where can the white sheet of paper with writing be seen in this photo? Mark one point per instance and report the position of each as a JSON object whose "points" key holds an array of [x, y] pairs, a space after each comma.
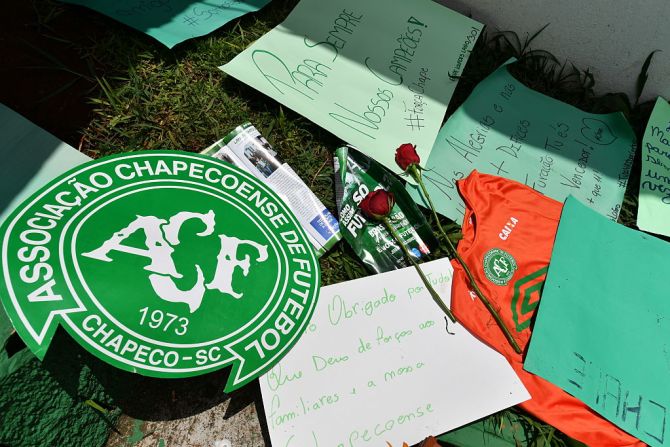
{"points": [[377, 365]]}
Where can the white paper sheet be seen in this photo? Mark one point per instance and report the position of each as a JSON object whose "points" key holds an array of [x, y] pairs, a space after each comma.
{"points": [[377, 365]]}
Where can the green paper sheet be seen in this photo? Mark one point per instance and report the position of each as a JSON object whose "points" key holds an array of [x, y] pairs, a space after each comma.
{"points": [[506, 129], [30, 157], [653, 211], [602, 331], [173, 21], [377, 73]]}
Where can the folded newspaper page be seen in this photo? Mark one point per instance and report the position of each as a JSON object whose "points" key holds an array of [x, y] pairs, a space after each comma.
{"points": [[246, 148]]}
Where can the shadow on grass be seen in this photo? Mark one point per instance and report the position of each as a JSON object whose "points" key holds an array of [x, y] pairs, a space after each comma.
{"points": [[140, 397]]}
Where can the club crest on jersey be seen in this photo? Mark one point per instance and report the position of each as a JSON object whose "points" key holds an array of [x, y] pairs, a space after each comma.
{"points": [[499, 266]]}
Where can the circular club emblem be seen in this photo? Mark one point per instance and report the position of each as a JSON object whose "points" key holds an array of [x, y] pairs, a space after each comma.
{"points": [[499, 266], [164, 263]]}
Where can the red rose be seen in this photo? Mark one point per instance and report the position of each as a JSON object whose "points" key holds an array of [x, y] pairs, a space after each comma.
{"points": [[377, 204], [406, 156]]}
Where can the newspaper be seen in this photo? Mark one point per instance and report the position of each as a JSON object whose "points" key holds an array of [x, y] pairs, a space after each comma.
{"points": [[247, 149], [356, 174]]}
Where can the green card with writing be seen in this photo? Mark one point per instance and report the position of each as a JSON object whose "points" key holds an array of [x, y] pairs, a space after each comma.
{"points": [[601, 331], [173, 21], [505, 128], [653, 211], [377, 73], [163, 263]]}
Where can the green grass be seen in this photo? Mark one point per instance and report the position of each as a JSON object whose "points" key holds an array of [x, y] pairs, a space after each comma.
{"points": [[153, 98]]}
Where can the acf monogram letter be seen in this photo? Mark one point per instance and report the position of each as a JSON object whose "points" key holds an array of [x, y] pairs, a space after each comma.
{"points": [[161, 237]]}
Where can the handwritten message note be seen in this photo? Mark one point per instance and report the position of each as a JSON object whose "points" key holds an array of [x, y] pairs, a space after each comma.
{"points": [[377, 364], [506, 129], [377, 73], [30, 157], [602, 326], [653, 211], [173, 21]]}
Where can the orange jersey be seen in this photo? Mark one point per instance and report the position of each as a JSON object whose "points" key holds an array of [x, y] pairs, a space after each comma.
{"points": [[508, 235]]}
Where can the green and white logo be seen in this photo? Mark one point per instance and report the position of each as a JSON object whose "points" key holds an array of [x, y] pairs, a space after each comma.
{"points": [[526, 297], [164, 263], [499, 266]]}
